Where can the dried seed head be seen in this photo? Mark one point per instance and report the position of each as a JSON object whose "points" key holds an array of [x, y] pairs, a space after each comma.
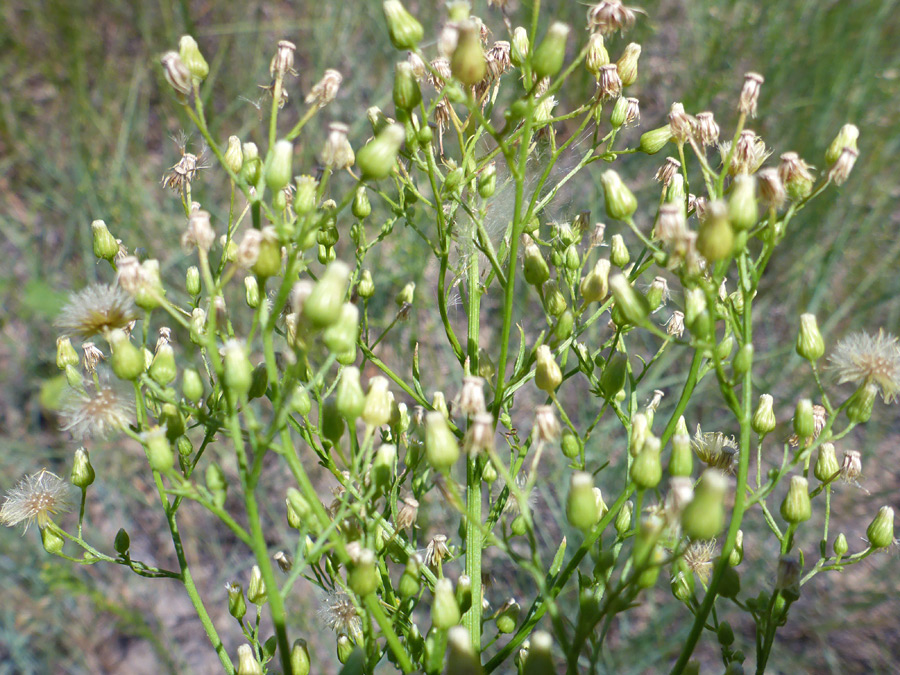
{"points": [[471, 396], [35, 498], [96, 412], [248, 250], [340, 615], [96, 309], [199, 232], [417, 65], [480, 436], [715, 449], [409, 510], [706, 131], [862, 358], [498, 59], [609, 84], [750, 94], [680, 123], [675, 324], [671, 225], [176, 73], [699, 558], [841, 169], [337, 152], [851, 466], [325, 90], [749, 153], [632, 112], [609, 16], [546, 424], [436, 550], [283, 62], [771, 189], [668, 170], [92, 356]]}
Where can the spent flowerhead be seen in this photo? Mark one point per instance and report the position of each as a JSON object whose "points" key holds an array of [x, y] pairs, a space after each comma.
{"points": [[340, 615], [96, 310], [862, 358], [35, 498], [97, 411]]}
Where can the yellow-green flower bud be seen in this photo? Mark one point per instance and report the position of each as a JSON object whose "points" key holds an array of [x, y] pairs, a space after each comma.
{"points": [[640, 430], [256, 590], [862, 402], [305, 195], [519, 46], [238, 375], [441, 448], [804, 419], [487, 181], [547, 374], [810, 344], [300, 663], [549, 56], [247, 663], [341, 336], [324, 304], [65, 353], [404, 30], [846, 138], [345, 648], [646, 470], [489, 473], [191, 385], [620, 201], [259, 381], [742, 209], [127, 360], [192, 281], [581, 504], [570, 444], [681, 462], [627, 65], [376, 160], [880, 532], [279, 171], [268, 260], [362, 578], [376, 411], [361, 206], [796, 507], [464, 593], [300, 402], [704, 517], [743, 360], [251, 168], [407, 94], [366, 287], [236, 605], [105, 245], [349, 396], [409, 584], [623, 519], [251, 292], [234, 155], [159, 452], [840, 545], [827, 467], [655, 140], [193, 60], [467, 63], [507, 616], [444, 610], [618, 252], [534, 266], [715, 238], [596, 56], [82, 472], [612, 379], [52, 542], [763, 421], [554, 300], [162, 368], [632, 304], [406, 295]]}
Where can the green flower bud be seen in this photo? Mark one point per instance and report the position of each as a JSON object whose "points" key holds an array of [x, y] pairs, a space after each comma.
{"points": [[105, 245], [444, 610], [880, 532], [256, 591], [704, 517], [655, 140], [300, 663], [646, 470], [65, 353], [549, 56], [193, 60], [279, 172], [632, 304], [623, 519], [554, 301], [345, 648], [715, 238], [763, 421], [238, 374], [324, 304], [570, 444], [268, 262], [127, 360], [305, 195], [366, 287], [596, 56], [159, 452], [82, 472], [547, 374], [376, 411], [804, 419], [162, 368], [846, 138], [247, 663], [122, 542], [627, 65], [216, 483], [349, 397], [464, 593], [534, 266], [860, 408], [519, 46], [191, 385], [406, 295], [736, 557], [441, 448], [251, 169], [742, 210], [581, 503], [376, 159], [404, 30], [682, 585], [612, 379], [383, 466], [681, 463], [234, 155], [723, 349], [362, 577], [73, 377], [409, 584], [53, 543], [192, 281], [406, 89], [840, 545], [810, 344], [361, 206], [827, 466], [341, 336], [487, 181], [259, 381], [538, 659], [236, 605], [171, 418], [507, 616], [620, 201], [300, 402], [618, 252], [743, 360], [251, 292], [489, 473], [595, 285], [564, 326], [796, 507], [618, 116]]}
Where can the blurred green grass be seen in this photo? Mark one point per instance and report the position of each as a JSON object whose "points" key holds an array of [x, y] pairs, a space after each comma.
{"points": [[85, 130]]}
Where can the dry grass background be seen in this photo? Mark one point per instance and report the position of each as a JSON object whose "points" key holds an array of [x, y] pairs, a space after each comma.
{"points": [[84, 133]]}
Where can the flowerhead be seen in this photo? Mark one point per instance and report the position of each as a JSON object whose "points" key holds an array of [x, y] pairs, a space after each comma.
{"points": [[95, 310], [862, 358], [341, 616], [97, 411], [35, 498]]}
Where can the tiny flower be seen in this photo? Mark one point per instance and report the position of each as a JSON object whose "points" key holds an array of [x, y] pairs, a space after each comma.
{"points": [[35, 498], [750, 94], [337, 152], [340, 615], [409, 510], [667, 171], [92, 356], [96, 412], [498, 59], [771, 189], [283, 61], [680, 123], [248, 249], [841, 169], [436, 550], [546, 425], [699, 558], [819, 417], [325, 90], [706, 131], [184, 172], [851, 467], [715, 449], [749, 154], [862, 358], [199, 232], [96, 309], [609, 16]]}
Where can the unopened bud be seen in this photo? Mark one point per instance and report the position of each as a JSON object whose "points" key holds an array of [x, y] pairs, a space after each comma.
{"points": [[581, 504], [827, 467], [804, 419], [535, 266], [620, 201], [655, 140], [159, 452], [764, 421], [632, 304], [547, 374], [507, 616], [65, 353], [189, 51], [627, 65], [840, 545], [406, 93], [192, 385], [646, 470], [444, 610], [742, 211], [441, 448], [810, 344], [859, 410], [362, 577], [82, 472], [127, 360], [162, 368], [105, 245], [704, 517], [404, 30], [846, 138], [549, 56], [596, 56], [324, 304], [796, 507], [279, 172], [715, 239], [247, 663], [341, 336], [256, 590], [376, 160], [618, 251]]}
